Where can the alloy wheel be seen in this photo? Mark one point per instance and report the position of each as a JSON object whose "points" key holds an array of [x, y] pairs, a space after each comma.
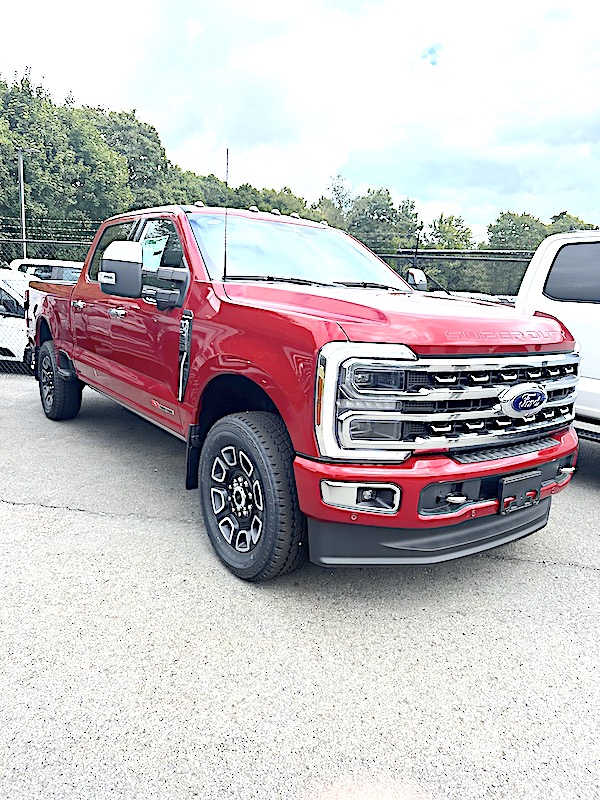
{"points": [[237, 499]]}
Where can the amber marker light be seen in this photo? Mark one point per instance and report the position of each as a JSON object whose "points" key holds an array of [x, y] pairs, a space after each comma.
{"points": [[320, 389]]}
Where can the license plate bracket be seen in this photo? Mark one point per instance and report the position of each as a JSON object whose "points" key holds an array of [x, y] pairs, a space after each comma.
{"points": [[519, 491]]}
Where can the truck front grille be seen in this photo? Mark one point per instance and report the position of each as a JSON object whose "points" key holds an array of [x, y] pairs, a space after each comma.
{"points": [[442, 404]]}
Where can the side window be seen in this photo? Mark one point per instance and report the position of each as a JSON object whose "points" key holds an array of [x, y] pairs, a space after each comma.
{"points": [[575, 274], [115, 233], [44, 273], [161, 247], [10, 306], [65, 274]]}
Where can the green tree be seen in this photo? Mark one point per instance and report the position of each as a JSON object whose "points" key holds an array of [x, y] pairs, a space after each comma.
{"points": [[97, 174], [563, 222], [181, 187], [215, 192], [373, 219], [139, 144], [335, 206], [516, 232], [340, 194], [71, 172], [246, 196], [449, 233], [284, 200], [408, 224], [326, 209]]}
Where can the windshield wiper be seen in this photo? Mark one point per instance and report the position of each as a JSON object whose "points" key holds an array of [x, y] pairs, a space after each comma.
{"points": [[370, 285], [275, 279]]}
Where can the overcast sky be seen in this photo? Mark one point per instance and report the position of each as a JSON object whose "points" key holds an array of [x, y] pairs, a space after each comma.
{"points": [[468, 108]]}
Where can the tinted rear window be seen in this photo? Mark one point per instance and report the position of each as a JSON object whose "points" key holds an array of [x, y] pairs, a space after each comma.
{"points": [[575, 274]]}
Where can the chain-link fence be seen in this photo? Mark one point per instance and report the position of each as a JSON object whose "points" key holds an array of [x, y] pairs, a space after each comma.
{"points": [[64, 250], [41, 259], [492, 272]]}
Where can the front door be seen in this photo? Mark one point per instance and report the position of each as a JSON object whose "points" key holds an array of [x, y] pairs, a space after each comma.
{"points": [[145, 339]]}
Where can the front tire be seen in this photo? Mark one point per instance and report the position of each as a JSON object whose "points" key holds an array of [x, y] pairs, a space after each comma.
{"points": [[61, 399], [248, 496]]}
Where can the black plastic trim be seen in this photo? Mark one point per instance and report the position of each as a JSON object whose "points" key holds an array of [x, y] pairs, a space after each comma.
{"points": [[192, 457], [341, 544], [66, 368]]}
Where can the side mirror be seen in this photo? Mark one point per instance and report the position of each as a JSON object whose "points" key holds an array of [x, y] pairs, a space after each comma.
{"points": [[121, 269], [417, 279]]}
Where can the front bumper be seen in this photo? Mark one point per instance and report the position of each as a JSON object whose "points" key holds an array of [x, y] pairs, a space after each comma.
{"points": [[337, 544], [416, 532]]}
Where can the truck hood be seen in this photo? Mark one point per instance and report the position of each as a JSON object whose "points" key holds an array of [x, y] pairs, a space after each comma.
{"points": [[428, 324]]}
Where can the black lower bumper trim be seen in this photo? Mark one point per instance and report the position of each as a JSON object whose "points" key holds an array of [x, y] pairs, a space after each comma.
{"points": [[591, 436], [341, 544]]}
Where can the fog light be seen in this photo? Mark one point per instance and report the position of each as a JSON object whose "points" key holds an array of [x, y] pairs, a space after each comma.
{"points": [[379, 498]]}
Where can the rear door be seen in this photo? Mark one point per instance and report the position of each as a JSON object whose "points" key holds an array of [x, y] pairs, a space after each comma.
{"points": [[90, 319]]}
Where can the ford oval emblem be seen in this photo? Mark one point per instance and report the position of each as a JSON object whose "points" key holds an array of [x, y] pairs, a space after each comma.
{"points": [[523, 400]]}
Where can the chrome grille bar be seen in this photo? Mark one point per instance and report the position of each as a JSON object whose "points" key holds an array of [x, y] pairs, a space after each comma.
{"points": [[449, 392]]}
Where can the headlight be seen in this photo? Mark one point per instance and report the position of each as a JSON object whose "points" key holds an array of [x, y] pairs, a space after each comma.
{"points": [[360, 376], [356, 397]]}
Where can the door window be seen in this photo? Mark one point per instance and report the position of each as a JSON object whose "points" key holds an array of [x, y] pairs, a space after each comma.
{"points": [[114, 233], [161, 247], [575, 274], [10, 306]]}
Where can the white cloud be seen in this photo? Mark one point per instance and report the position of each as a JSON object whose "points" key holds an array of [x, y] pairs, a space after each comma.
{"points": [[467, 107], [73, 48]]}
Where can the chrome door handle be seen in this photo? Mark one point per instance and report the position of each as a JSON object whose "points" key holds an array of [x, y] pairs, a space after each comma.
{"points": [[77, 303], [117, 312]]}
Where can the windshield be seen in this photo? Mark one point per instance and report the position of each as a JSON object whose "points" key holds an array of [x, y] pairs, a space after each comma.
{"points": [[264, 248]]}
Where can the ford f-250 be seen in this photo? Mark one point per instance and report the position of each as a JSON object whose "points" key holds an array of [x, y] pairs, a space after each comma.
{"points": [[329, 410]]}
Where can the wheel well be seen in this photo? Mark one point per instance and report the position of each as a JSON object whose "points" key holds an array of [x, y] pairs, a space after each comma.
{"points": [[44, 333], [228, 394]]}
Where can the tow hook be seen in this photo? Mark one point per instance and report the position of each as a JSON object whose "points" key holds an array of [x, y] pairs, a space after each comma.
{"points": [[456, 499]]}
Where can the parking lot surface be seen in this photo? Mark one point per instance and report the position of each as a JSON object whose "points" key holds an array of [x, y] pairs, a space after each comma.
{"points": [[135, 666]]}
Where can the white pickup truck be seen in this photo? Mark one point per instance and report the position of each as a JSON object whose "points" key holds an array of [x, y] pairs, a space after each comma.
{"points": [[563, 279]]}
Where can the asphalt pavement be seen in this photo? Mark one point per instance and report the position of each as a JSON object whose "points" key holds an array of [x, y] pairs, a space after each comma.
{"points": [[133, 665]]}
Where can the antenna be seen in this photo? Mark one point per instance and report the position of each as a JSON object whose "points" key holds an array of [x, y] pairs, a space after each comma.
{"points": [[227, 187]]}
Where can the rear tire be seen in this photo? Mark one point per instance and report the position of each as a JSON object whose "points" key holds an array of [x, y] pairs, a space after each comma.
{"points": [[248, 496], [61, 399]]}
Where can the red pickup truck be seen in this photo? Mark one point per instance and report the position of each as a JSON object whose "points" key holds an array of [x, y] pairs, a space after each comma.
{"points": [[329, 410]]}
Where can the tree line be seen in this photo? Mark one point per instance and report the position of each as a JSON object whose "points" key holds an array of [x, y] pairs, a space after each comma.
{"points": [[84, 164]]}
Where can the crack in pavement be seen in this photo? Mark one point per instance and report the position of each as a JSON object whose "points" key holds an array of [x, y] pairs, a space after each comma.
{"points": [[111, 514], [551, 563]]}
